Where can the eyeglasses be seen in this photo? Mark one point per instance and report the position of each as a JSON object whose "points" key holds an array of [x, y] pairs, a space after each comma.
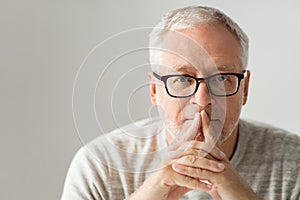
{"points": [[220, 85]]}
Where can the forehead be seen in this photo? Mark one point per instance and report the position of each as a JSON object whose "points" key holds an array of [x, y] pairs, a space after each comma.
{"points": [[205, 48]]}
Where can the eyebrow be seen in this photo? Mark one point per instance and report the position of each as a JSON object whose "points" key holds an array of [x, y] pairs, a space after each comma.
{"points": [[181, 67], [187, 68]]}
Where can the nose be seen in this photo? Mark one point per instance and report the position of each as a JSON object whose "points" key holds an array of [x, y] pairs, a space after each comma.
{"points": [[202, 96]]}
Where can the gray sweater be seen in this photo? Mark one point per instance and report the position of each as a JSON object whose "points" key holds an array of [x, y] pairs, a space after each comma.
{"points": [[114, 165]]}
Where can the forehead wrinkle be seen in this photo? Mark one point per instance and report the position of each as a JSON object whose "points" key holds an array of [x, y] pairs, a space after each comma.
{"points": [[185, 68], [226, 68], [180, 67], [190, 69]]}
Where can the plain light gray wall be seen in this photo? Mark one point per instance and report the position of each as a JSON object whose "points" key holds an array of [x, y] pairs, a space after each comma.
{"points": [[44, 42]]}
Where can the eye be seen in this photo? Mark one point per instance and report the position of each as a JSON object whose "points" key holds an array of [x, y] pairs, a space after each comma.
{"points": [[221, 78], [182, 79]]}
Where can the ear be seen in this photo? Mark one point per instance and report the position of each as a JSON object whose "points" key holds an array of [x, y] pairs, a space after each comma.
{"points": [[246, 87], [152, 87]]}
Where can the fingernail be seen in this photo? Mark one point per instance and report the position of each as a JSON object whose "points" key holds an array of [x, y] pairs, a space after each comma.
{"points": [[177, 167], [222, 154], [221, 166], [208, 186], [202, 112]]}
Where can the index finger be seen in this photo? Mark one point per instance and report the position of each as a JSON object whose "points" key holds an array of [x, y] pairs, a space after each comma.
{"points": [[185, 136], [211, 131]]}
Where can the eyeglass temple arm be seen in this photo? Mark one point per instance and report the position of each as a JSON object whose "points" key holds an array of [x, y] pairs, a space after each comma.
{"points": [[157, 76]]}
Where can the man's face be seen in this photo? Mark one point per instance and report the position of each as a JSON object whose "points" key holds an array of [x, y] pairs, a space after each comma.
{"points": [[223, 49]]}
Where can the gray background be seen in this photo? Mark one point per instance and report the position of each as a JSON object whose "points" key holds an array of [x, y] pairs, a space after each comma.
{"points": [[44, 42]]}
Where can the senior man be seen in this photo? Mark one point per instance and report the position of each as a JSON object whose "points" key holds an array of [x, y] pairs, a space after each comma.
{"points": [[202, 150]]}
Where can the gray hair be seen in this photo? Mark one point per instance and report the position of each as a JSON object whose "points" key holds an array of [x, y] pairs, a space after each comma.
{"points": [[191, 16]]}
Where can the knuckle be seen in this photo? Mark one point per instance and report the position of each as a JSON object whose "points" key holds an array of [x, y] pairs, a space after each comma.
{"points": [[211, 164], [190, 181], [202, 173], [202, 153], [191, 159]]}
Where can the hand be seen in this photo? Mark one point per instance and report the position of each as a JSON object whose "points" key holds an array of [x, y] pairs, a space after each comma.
{"points": [[191, 166], [166, 183], [226, 184]]}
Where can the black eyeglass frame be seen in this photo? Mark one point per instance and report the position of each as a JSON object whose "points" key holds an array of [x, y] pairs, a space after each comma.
{"points": [[164, 79]]}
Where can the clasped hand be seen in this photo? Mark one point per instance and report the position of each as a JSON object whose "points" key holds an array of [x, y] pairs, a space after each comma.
{"points": [[195, 165]]}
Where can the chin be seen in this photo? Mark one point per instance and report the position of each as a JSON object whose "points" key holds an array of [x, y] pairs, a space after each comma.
{"points": [[226, 134]]}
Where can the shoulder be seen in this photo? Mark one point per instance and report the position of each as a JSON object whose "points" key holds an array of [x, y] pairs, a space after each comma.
{"points": [[259, 129], [270, 138], [82, 175], [126, 137], [269, 159], [127, 147], [98, 167]]}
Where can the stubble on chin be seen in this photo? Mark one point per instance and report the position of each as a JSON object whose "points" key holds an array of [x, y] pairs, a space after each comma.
{"points": [[227, 133]]}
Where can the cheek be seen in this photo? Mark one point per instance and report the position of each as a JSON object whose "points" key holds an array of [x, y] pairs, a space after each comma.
{"points": [[235, 105], [233, 111], [170, 108]]}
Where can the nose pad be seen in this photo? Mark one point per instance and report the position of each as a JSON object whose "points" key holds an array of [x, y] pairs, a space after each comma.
{"points": [[202, 96]]}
